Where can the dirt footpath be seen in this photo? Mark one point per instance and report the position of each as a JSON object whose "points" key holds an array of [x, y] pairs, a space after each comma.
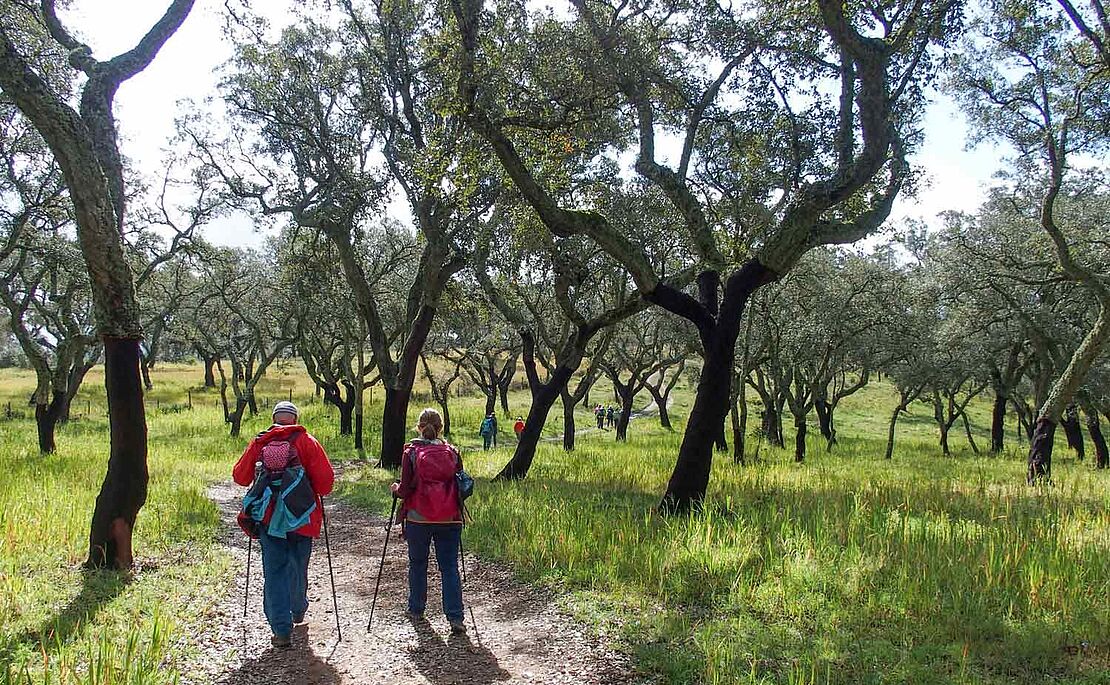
{"points": [[520, 636]]}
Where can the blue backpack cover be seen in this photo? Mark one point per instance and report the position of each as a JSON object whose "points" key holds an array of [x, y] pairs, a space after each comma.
{"points": [[288, 492]]}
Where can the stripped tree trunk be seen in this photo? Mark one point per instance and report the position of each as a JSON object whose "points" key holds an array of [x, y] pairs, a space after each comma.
{"points": [[1063, 390], [1102, 458], [543, 398], [1072, 430], [85, 147]]}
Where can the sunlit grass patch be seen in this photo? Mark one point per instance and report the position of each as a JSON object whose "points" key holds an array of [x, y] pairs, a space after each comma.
{"points": [[62, 624], [844, 569], [847, 568]]}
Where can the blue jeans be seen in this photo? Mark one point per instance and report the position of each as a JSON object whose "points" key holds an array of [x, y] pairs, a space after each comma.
{"points": [[486, 440], [285, 575], [447, 539]]}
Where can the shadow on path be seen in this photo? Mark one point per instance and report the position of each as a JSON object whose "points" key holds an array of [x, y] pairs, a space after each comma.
{"points": [[524, 637], [299, 665], [454, 661]]}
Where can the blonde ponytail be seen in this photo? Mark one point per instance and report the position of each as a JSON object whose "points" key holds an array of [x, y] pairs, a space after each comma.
{"points": [[430, 424]]}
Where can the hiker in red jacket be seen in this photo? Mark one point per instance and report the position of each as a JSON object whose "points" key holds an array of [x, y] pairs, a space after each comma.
{"points": [[285, 559], [430, 512]]}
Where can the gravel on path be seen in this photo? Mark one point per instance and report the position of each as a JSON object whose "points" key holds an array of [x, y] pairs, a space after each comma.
{"points": [[521, 637]]}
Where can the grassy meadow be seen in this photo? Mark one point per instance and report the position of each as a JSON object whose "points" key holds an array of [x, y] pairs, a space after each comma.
{"points": [[845, 569]]}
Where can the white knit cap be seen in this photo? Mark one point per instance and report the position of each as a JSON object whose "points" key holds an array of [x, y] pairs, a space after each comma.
{"points": [[286, 407]]}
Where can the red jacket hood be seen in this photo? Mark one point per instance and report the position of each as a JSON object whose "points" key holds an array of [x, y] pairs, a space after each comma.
{"points": [[280, 432]]}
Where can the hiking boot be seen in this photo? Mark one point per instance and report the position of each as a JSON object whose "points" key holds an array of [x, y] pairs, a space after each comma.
{"points": [[414, 615], [281, 641], [458, 627]]}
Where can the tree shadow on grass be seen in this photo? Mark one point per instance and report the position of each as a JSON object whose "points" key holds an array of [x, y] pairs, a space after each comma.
{"points": [[454, 661], [98, 587]]}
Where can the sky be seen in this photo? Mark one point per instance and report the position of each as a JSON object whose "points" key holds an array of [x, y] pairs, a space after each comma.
{"points": [[147, 105]]}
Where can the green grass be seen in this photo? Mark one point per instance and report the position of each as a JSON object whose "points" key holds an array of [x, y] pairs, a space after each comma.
{"points": [[847, 568], [61, 625]]}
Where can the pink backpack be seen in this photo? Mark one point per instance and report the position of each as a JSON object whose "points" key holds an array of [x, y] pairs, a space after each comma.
{"points": [[278, 455], [436, 497]]}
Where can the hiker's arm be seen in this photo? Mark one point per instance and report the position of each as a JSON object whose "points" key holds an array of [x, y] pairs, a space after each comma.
{"points": [[243, 473], [319, 468], [407, 486]]}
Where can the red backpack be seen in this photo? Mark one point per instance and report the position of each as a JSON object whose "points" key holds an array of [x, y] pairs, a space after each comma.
{"points": [[436, 497]]}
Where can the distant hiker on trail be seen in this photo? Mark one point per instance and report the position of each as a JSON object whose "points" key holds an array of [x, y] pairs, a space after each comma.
{"points": [[609, 416], [599, 416], [518, 427], [430, 512], [488, 431], [283, 510]]}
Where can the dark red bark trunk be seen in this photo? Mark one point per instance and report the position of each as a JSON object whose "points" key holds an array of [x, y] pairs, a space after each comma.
{"points": [[1094, 429], [890, 432], [772, 426], [720, 442], [503, 391], [334, 396], [661, 402], [235, 417], [144, 366], [346, 422], [394, 430], [1025, 416], [395, 411], [1073, 432], [627, 399], [446, 412], [739, 430], [998, 423], [123, 492], [491, 401], [209, 372], [543, 398], [800, 438], [568, 421], [690, 478], [967, 431], [47, 417], [1040, 450], [359, 445], [824, 412]]}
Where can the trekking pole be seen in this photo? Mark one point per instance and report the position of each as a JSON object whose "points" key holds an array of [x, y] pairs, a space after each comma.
{"points": [[381, 565], [331, 573], [250, 546], [247, 582], [462, 567]]}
